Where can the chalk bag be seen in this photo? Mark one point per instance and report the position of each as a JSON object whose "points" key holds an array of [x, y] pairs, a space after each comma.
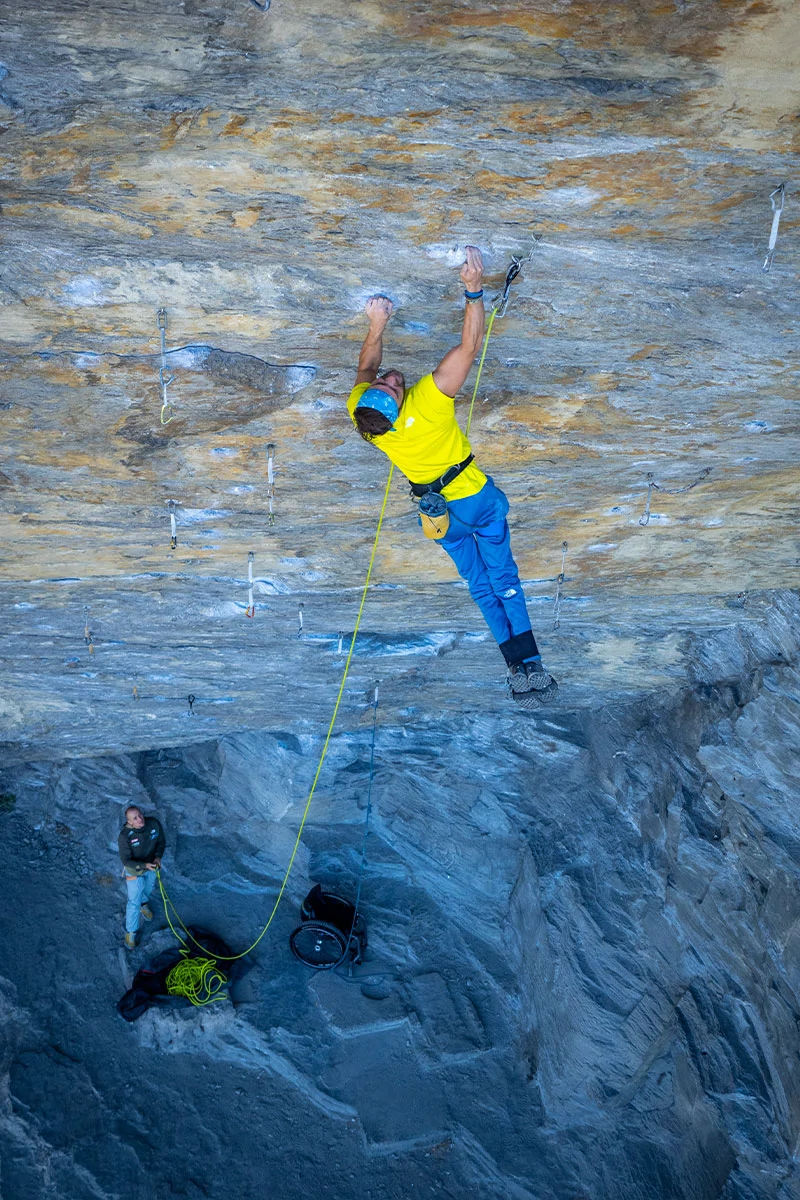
{"points": [[433, 515], [331, 933]]}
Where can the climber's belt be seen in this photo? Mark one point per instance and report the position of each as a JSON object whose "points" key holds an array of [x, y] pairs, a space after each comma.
{"points": [[438, 485]]}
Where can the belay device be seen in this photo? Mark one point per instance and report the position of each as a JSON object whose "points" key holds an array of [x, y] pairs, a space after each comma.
{"points": [[332, 931]]}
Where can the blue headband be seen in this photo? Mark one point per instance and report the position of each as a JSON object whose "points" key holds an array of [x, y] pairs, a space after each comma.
{"points": [[381, 401]]}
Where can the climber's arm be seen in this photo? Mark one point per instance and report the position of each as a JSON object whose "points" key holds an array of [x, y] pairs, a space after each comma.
{"points": [[378, 309], [452, 371]]}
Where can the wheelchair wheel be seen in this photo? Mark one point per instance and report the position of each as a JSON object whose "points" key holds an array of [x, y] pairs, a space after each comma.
{"points": [[318, 944]]}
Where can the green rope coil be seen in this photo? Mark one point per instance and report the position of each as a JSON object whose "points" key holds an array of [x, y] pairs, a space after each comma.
{"points": [[198, 979]]}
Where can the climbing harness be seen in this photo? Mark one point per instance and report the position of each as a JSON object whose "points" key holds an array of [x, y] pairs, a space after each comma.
{"points": [[250, 611], [559, 584], [198, 979], [165, 379], [776, 199], [270, 480], [164, 896], [438, 485], [173, 526], [433, 515], [300, 608], [499, 306], [191, 699], [87, 633], [652, 486]]}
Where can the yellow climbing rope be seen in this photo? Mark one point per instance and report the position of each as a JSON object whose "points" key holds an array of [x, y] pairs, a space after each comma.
{"points": [[164, 896], [198, 979], [492, 316]]}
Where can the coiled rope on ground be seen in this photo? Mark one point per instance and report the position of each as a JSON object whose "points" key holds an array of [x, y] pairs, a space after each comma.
{"points": [[198, 979]]}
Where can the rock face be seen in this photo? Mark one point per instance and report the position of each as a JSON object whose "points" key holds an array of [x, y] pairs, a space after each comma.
{"points": [[583, 972]]}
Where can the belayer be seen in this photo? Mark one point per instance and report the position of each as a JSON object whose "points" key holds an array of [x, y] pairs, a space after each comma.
{"points": [[460, 507], [141, 847]]}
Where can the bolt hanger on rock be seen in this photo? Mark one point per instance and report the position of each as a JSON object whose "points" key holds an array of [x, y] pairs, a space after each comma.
{"points": [[165, 379], [191, 699], [777, 199], [300, 608], [250, 611], [652, 486]]}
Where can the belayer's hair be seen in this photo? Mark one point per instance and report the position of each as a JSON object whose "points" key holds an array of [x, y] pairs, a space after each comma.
{"points": [[371, 423]]}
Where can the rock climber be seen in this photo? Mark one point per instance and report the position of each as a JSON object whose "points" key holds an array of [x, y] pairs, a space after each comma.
{"points": [[416, 428], [141, 847]]}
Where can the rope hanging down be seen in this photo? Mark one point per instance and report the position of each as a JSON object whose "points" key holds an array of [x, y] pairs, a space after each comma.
{"points": [[499, 306], [164, 896], [652, 486]]}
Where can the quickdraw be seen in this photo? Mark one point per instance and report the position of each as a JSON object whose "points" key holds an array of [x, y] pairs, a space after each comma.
{"points": [[776, 199], [165, 379], [499, 306], [173, 526], [250, 611], [271, 480], [559, 584]]}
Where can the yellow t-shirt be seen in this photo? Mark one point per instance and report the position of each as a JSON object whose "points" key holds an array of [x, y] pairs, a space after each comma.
{"points": [[426, 439]]}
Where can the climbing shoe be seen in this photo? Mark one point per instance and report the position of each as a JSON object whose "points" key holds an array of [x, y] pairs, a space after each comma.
{"points": [[146, 912], [130, 941], [531, 686]]}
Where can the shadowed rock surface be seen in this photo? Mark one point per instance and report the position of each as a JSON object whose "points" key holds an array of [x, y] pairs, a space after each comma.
{"points": [[582, 974], [582, 977]]}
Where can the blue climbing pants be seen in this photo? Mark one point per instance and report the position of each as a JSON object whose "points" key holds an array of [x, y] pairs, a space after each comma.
{"points": [[140, 889], [479, 543]]}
